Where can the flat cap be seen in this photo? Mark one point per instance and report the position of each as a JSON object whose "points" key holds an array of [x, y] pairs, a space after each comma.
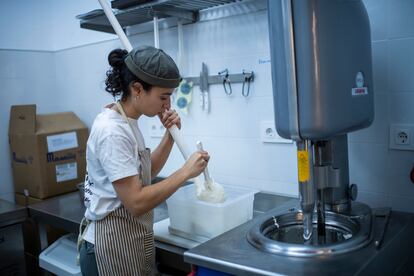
{"points": [[153, 66]]}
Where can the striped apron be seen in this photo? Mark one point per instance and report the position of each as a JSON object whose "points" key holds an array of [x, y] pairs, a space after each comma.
{"points": [[124, 245]]}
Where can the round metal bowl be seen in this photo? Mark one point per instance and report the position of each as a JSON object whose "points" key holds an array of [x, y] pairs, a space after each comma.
{"points": [[283, 233]]}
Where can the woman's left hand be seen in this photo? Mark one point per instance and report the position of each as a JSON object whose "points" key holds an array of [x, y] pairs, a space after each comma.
{"points": [[169, 118]]}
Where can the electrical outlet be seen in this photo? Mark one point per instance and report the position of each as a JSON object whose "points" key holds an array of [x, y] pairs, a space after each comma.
{"points": [[401, 136], [268, 133], [156, 129]]}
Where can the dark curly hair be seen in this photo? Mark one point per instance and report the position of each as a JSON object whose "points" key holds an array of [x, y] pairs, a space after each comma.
{"points": [[119, 77]]}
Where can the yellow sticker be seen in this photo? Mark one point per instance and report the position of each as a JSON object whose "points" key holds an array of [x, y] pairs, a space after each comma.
{"points": [[303, 166]]}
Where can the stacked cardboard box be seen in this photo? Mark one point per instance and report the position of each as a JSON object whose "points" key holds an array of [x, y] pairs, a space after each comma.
{"points": [[47, 151]]}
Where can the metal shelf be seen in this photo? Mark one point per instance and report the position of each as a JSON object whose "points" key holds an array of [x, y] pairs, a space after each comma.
{"points": [[133, 12]]}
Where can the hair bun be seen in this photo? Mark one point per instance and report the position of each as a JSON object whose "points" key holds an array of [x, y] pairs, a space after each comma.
{"points": [[116, 58]]}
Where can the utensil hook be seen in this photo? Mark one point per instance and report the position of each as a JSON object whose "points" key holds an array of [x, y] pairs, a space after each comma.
{"points": [[248, 77], [225, 75]]}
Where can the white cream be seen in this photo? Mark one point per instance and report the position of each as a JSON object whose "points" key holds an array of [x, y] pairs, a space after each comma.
{"points": [[210, 192]]}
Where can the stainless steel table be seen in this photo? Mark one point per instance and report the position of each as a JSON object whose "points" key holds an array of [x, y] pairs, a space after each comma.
{"points": [[11, 213], [232, 253], [66, 212]]}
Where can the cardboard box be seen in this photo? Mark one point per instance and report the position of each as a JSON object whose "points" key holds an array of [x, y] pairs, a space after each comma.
{"points": [[47, 151]]}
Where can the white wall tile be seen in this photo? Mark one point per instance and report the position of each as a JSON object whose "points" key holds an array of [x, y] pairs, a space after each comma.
{"points": [[378, 131], [399, 166], [378, 18], [380, 66], [25, 24], [46, 25], [401, 108], [368, 166], [6, 185], [374, 200], [26, 64], [401, 64], [400, 18], [230, 36], [401, 203], [274, 187]]}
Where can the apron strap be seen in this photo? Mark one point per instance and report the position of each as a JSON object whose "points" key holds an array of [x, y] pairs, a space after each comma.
{"points": [[81, 235], [121, 110]]}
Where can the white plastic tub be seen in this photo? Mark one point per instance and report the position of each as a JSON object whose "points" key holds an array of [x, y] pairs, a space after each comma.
{"points": [[200, 220], [60, 257]]}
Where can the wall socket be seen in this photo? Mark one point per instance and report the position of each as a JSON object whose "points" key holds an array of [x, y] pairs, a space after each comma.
{"points": [[156, 128], [401, 136], [268, 133]]}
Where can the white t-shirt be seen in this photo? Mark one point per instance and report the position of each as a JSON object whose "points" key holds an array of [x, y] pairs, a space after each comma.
{"points": [[111, 154]]}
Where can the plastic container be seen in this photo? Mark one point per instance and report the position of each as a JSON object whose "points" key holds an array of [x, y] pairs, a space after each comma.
{"points": [[60, 257], [200, 220]]}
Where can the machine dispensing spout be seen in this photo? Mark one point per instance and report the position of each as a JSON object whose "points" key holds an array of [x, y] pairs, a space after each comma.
{"points": [[306, 186]]}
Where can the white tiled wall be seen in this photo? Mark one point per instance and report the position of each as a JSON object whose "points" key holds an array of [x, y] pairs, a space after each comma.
{"points": [[72, 79], [46, 25], [383, 174]]}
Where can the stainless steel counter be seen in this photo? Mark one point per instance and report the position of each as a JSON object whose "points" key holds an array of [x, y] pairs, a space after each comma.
{"points": [[231, 253], [11, 214], [66, 212]]}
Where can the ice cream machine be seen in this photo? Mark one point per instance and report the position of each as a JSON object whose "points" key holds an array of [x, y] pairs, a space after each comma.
{"points": [[322, 86]]}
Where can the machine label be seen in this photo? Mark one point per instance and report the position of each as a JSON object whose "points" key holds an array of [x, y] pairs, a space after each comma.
{"points": [[359, 88], [359, 91], [303, 166]]}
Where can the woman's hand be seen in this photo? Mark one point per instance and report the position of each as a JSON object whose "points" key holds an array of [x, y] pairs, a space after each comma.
{"points": [[196, 163], [169, 118]]}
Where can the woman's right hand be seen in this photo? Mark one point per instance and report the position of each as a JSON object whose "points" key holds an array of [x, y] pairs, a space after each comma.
{"points": [[196, 163]]}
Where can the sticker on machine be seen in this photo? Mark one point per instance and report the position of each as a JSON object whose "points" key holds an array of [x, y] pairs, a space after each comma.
{"points": [[360, 89], [67, 140], [67, 171]]}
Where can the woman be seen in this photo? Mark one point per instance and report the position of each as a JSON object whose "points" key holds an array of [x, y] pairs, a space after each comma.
{"points": [[118, 194]]}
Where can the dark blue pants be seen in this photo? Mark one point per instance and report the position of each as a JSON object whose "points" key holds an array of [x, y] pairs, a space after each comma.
{"points": [[87, 259]]}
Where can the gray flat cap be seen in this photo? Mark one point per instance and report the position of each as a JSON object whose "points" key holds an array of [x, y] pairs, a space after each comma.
{"points": [[153, 66]]}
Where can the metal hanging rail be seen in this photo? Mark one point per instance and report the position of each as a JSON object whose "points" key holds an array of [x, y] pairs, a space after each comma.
{"points": [[133, 12]]}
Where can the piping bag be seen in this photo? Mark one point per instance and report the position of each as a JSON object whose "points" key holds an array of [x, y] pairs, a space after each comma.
{"points": [[201, 190]]}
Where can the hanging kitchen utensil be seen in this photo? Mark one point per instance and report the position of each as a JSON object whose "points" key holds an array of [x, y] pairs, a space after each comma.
{"points": [[205, 101], [248, 77], [225, 75]]}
